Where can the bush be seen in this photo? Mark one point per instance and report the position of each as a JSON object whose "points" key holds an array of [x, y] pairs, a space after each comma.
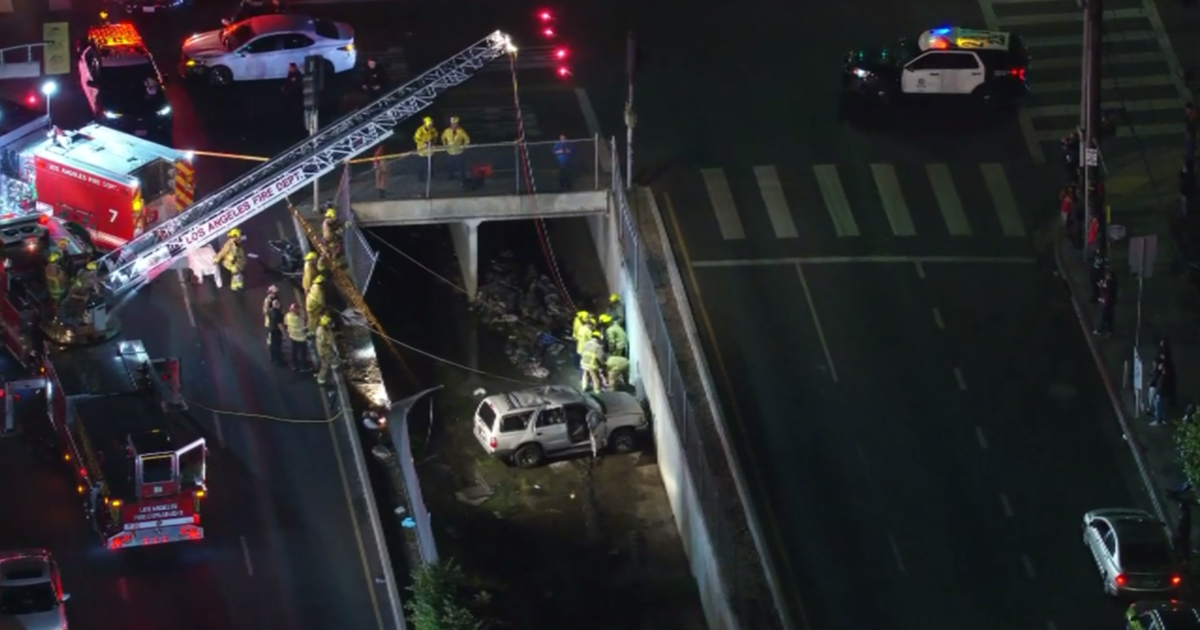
{"points": [[436, 602], [1187, 437]]}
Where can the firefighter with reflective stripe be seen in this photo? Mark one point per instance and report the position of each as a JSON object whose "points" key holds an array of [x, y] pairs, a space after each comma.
{"points": [[618, 372], [591, 356], [616, 309], [326, 349], [312, 269], [314, 300], [233, 257], [297, 333], [272, 294], [455, 139], [581, 319], [86, 283], [56, 278], [615, 339], [331, 232], [425, 137], [583, 331]]}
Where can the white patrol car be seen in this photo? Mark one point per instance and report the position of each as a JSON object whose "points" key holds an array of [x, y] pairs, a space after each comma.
{"points": [[989, 65]]}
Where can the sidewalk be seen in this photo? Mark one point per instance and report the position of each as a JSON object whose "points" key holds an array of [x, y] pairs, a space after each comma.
{"points": [[1143, 196]]}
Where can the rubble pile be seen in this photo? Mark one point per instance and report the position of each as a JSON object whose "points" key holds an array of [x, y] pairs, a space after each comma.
{"points": [[525, 305]]}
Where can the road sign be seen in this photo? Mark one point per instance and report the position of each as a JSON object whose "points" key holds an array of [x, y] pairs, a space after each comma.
{"points": [[1143, 250], [1092, 157]]}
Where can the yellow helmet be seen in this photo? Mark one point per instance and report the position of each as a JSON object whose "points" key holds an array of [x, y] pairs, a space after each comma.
{"points": [[596, 334], [104, 15], [92, 266], [428, 121], [324, 321], [331, 214], [235, 233], [604, 319], [310, 256], [614, 298], [55, 257], [454, 120], [318, 279], [582, 315]]}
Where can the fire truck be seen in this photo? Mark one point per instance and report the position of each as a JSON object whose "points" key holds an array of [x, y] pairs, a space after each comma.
{"points": [[113, 185]]}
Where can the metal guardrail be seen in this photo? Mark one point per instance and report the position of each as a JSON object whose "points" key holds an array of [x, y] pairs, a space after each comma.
{"points": [[401, 176], [20, 54], [719, 490]]}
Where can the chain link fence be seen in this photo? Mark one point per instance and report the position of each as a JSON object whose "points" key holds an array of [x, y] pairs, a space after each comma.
{"points": [[743, 573], [360, 256]]}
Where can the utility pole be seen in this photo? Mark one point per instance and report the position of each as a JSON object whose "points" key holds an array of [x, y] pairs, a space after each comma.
{"points": [[630, 115], [1093, 37], [312, 105]]}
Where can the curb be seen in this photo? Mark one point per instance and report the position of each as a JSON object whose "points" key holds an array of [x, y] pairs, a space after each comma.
{"points": [[1114, 396]]}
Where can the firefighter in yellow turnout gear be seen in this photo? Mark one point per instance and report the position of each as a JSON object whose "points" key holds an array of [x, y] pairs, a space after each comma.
{"points": [[313, 267], [314, 300], [591, 357], [455, 139], [56, 278], [326, 349], [331, 232], [298, 336], [233, 257], [425, 137], [615, 339]]}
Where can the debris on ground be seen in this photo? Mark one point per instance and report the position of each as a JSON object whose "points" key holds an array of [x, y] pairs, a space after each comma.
{"points": [[527, 307]]}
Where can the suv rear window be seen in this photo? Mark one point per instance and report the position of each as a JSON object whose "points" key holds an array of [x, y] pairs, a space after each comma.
{"points": [[515, 422], [486, 414], [326, 29]]}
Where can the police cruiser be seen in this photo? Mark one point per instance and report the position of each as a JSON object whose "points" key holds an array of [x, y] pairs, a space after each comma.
{"points": [[988, 65]]}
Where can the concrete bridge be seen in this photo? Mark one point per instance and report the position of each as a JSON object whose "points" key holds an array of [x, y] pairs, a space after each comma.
{"points": [[392, 190]]}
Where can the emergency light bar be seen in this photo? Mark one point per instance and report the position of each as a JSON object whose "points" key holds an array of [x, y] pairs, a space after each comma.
{"points": [[143, 258]]}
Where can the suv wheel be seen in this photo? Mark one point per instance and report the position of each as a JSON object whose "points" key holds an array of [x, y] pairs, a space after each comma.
{"points": [[529, 456], [220, 75], [623, 441]]}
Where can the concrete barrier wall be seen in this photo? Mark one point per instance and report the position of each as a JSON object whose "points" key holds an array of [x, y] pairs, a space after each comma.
{"points": [[647, 377]]}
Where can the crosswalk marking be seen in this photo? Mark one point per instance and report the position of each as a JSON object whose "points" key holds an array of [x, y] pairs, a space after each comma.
{"points": [[1002, 196], [722, 201], [948, 201], [1051, 41], [1125, 131], [835, 199], [1149, 105], [1076, 16], [777, 206], [893, 200], [1075, 61], [1073, 85]]}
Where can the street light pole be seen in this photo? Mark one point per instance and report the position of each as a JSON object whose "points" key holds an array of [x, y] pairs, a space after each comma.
{"points": [[1093, 125], [48, 90], [630, 114]]}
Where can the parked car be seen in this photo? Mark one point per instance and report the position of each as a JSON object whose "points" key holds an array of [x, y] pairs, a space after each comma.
{"points": [[1170, 615], [1133, 552], [31, 595], [262, 47], [529, 425]]}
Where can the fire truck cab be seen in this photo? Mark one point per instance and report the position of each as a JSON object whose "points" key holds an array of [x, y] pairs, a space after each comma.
{"points": [[114, 413]]}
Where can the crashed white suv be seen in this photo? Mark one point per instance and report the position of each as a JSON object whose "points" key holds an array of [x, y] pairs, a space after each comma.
{"points": [[528, 425]]}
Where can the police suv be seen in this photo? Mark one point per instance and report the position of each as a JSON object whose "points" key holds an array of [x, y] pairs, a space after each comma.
{"points": [[988, 65], [122, 82]]}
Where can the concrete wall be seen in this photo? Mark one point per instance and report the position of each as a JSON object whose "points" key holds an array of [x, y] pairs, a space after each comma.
{"points": [[648, 378]]}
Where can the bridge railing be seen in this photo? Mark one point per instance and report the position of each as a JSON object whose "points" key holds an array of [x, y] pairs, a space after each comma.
{"points": [[481, 170], [23, 61]]}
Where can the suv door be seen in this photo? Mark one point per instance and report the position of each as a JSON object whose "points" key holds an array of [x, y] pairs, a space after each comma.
{"points": [[550, 429], [966, 72], [926, 74], [264, 58]]}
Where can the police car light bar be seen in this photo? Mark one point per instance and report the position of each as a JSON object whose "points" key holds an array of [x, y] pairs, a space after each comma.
{"points": [[143, 258]]}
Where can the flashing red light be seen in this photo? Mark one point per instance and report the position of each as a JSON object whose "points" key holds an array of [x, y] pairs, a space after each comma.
{"points": [[545, 16], [1, 393], [563, 72], [939, 44], [560, 54], [548, 32], [32, 100], [82, 472], [43, 220], [1175, 580]]}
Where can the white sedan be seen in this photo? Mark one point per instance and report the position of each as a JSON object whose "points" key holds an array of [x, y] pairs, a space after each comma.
{"points": [[262, 47]]}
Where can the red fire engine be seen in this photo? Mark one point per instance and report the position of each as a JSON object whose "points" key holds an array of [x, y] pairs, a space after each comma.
{"points": [[113, 184]]}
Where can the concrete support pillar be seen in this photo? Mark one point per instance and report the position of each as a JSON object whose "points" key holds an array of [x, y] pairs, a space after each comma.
{"points": [[465, 236]]}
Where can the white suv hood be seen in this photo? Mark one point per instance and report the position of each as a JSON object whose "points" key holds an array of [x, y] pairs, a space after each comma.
{"points": [[204, 46]]}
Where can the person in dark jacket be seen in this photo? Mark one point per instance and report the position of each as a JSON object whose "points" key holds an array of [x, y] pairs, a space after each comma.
{"points": [[275, 330], [373, 79], [1108, 304]]}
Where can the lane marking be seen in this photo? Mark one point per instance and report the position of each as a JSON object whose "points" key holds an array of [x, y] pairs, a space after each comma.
{"points": [[1027, 130], [1008, 511], [187, 300], [937, 319], [1168, 51], [123, 588], [1147, 105], [958, 376], [220, 434], [1075, 63], [920, 269], [839, 260], [1056, 41], [246, 556], [1028, 566], [982, 439], [835, 199], [948, 199], [1124, 131], [1073, 85], [812, 309], [862, 458], [777, 206], [1002, 197], [896, 553], [892, 198], [1059, 18], [722, 203]]}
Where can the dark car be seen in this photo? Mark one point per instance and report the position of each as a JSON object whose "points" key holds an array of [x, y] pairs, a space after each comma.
{"points": [[122, 82]]}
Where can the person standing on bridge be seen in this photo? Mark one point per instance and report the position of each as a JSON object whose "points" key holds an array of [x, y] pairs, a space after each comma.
{"points": [[455, 139], [425, 137], [564, 154], [326, 349], [314, 300], [233, 257], [373, 80]]}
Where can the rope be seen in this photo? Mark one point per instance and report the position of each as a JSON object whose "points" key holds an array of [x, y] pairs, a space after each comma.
{"points": [[263, 416]]}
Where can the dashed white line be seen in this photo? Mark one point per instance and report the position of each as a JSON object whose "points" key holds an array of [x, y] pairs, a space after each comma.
{"points": [[1028, 566], [187, 301], [896, 553], [982, 439], [937, 319], [862, 458], [812, 309], [920, 269], [217, 426], [123, 588], [246, 556], [962, 381], [1006, 505]]}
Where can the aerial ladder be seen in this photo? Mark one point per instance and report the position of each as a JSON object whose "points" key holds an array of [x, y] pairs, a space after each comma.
{"points": [[145, 257]]}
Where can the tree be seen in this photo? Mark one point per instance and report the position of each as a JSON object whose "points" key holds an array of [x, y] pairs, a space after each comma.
{"points": [[436, 599], [1187, 437]]}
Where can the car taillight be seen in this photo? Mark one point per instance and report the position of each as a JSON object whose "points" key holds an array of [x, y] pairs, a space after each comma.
{"points": [[1019, 73], [1120, 580], [492, 442], [1175, 580]]}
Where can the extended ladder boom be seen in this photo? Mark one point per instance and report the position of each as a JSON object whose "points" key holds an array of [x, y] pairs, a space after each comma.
{"points": [[148, 255]]}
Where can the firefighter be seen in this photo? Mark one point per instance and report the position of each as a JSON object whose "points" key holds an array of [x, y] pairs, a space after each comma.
{"points": [[314, 300], [425, 137], [581, 318], [86, 283], [456, 140], [272, 294], [583, 331], [233, 257], [615, 339], [331, 232], [297, 333], [312, 269], [326, 349], [616, 309], [591, 356], [617, 371], [56, 278]]}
